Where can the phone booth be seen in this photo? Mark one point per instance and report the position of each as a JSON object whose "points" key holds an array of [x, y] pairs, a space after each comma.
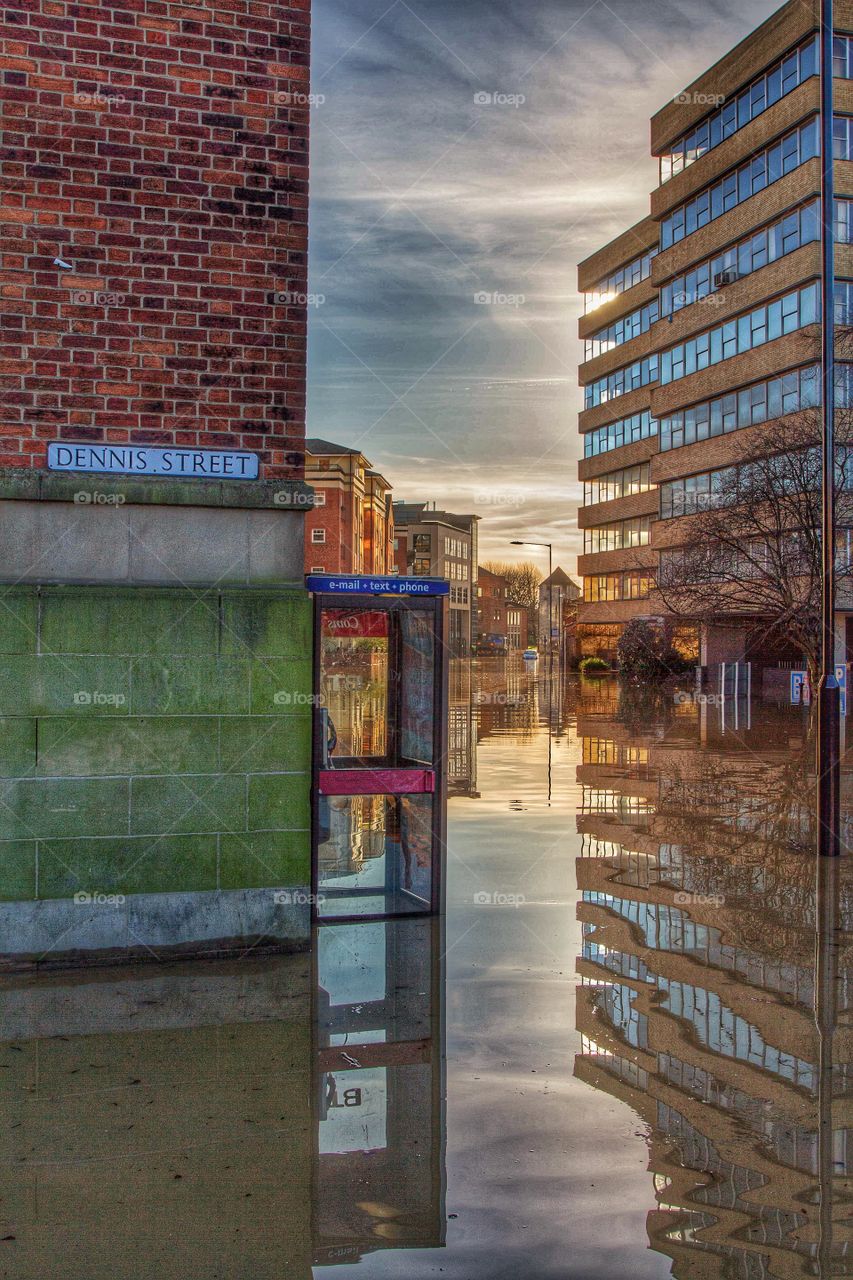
{"points": [[379, 789]]}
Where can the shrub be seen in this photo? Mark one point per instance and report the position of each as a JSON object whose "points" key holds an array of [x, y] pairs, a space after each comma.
{"points": [[592, 665], [645, 654]]}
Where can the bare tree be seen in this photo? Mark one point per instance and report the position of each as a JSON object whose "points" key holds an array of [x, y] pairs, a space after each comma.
{"points": [[522, 582], [751, 547]]}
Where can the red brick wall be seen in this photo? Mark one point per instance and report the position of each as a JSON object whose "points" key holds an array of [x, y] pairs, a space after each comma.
{"points": [[335, 554], [162, 150]]}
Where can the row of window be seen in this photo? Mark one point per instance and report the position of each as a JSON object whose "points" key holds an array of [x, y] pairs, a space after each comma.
{"points": [[614, 537], [744, 333], [458, 595], [757, 557], [456, 547], [800, 227], [617, 484], [689, 494], [728, 485], [639, 426], [733, 115], [620, 281], [453, 570], [621, 381], [622, 330], [766, 167], [799, 389], [635, 585]]}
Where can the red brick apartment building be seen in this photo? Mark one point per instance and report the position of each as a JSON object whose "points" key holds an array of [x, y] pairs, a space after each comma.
{"points": [[350, 528], [501, 625], [702, 322]]}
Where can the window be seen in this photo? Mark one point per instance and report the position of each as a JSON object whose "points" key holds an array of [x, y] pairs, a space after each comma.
{"points": [[617, 484], [844, 302], [317, 568], [844, 221], [622, 330], [318, 535], [423, 542], [625, 278], [639, 426], [614, 537], [794, 149], [621, 381], [842, 137], [751, 102], [421, 566], [319, 497], [744, 333], [782, 237]]}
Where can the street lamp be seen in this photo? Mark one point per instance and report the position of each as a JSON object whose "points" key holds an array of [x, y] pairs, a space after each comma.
{"points": [[516, 542]]}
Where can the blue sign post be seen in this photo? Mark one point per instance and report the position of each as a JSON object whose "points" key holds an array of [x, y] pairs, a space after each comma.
{"points": [[375, 585], [841, 677]]}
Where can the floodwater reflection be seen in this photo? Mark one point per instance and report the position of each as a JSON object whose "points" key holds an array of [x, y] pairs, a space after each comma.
{"points": [[605, 1062]]}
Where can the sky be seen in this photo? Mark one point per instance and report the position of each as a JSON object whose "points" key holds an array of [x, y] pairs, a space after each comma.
{"points": [[466, 155]]}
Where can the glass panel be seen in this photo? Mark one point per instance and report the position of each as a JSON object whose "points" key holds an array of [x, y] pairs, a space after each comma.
{"points": [[374, 855], [417, 688], [354, 683]]}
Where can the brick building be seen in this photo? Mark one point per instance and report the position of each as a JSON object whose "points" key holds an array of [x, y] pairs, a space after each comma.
{"points": [[440, 544], [156, 626], [350, 528], [701, 323], [556, 593], [501, 625]]}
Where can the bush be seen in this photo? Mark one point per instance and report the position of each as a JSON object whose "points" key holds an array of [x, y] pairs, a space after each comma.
{"points": [[592, 665], [645, 654]]}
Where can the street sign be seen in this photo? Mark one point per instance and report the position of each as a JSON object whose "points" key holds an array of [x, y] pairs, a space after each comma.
{"points": [[801, 690], [388, 585], [841, 677], [135, 460]]}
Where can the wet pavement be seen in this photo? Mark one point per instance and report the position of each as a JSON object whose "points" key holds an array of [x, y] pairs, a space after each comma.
{"points": [[604, 1062]]}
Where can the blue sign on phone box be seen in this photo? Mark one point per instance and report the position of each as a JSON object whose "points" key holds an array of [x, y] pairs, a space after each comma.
{"points": [[384, 584], [139, 460]]}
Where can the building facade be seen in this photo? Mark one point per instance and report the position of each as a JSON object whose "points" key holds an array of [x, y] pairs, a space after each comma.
{"points": [[155, 625], [701, 323], [556, 593], [501, 625], [440, 544], [350, 527]]}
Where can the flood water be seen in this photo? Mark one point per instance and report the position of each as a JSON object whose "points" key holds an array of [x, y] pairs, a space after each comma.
{"points": [[604, 1062]]}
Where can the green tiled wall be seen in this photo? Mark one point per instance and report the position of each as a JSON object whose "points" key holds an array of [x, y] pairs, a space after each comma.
{"points": [[153, 740]]}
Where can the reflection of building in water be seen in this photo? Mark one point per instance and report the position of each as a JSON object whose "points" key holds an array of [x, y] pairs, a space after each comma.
{"points": [[461, 732], [357, 702], [697, 998], [355, 833], [378, 1090]]}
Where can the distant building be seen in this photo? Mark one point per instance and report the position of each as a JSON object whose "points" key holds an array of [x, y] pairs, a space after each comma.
{"points": [[351, 527], [501, 625], [440, 544], [555, 592]]}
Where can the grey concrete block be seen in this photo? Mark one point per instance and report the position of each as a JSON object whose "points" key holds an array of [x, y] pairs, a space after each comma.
{"points": [[58, 931], [97, 542]]}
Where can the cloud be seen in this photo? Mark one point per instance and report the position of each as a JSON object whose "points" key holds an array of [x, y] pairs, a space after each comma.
{"points": [[424, 198]]}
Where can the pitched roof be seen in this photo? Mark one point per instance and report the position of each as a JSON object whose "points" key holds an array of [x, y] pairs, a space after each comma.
{"points": [[318, 447], [559, 579]]}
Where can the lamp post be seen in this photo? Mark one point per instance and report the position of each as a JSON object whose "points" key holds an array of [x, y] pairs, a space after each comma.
{"points": [[829, 709], [516, 542]]}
